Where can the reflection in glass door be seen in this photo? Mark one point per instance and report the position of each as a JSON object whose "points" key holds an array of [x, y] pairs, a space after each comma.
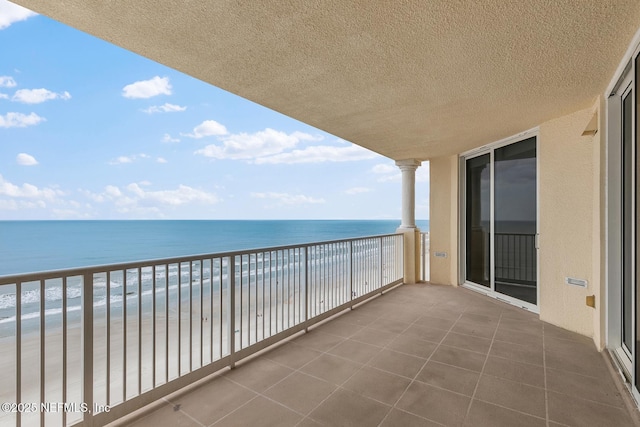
{"points": [[501, 220], [515, 221]]}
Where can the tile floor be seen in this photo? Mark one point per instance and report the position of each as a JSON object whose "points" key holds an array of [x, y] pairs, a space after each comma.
{"points": [[420, 355]]}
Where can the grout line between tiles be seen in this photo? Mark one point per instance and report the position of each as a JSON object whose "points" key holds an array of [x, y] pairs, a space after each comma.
{"points": [[420, 370], [475, 390]]}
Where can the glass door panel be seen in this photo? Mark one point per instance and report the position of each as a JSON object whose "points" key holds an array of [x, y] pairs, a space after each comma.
{"points": [[478, 213], [515, 220]]}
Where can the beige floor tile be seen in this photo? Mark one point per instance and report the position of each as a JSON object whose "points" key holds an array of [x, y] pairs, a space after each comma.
{"points": [[425, 333], [458, 357], [519, 353], [316, 340], [601, 390], [553, 331], [435, 404], [339, 327], [292, 355], [301, 392], [481, 318], [397, 363], [357, 318], [475, 330], [515, 371], [412, 346], [400, 313], [397, 418], [486, 414], [258, 374], [167, 416], [467, 342], [331, 368], [517, 396], [578, 412], [526, 326], [345, 408], [449, 377], [308, 422], [355, 351], [524, 339], [392, 326], [260, 412], [213, 400], [374, 337], [435, 322], [585, 364], [378, 385]]}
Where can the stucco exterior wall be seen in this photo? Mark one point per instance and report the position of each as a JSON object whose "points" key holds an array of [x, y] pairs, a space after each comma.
{"points": [[569, 226], [571, 214], [443, 220]]}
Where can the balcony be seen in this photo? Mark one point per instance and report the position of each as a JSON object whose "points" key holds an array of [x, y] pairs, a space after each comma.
{"points": [[324, 334], [418, 355]]}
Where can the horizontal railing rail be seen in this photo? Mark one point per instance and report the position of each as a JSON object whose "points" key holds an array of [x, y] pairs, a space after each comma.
{"points": [[91, 345]]}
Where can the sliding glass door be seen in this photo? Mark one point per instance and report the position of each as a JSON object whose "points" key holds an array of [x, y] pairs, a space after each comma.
{"points": [[501, 220], [515, 222], [478, 220]]}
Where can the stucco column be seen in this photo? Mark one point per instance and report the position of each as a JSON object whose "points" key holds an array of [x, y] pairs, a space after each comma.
{"points": [[408, 225], [408, 168]]}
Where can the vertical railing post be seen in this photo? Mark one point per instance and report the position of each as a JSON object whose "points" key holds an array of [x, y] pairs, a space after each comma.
{"points": [[307, 301], [87, 347], [351, 271], [380, 264], [232, 311], [19, 351]]}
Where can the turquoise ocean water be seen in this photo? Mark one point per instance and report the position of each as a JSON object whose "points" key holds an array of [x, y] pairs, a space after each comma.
{"points": [[31, 246]]}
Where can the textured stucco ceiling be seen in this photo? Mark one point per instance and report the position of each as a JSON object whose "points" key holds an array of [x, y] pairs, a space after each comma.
{"points": [[405, 78]]}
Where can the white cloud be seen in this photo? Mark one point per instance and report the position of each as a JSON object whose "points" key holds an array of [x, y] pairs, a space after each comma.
{"points": [[168, 138], [287, 199], [6, 81], [19, 120], [207, 128], [11, 13], [358, 190], [391, 173], [166, 108], [38, 96], [161, 160], [27, 191], [387, 173], [319, 154], [384, 168], [25, 159], [136, 200], [4, 96], [247, 146], [147, 88], [128, 159], [180, 196]]}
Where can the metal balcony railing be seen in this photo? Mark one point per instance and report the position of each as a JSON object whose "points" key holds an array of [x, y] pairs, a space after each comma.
{"points": [[515, 258], [90, 345], [424, 257]]}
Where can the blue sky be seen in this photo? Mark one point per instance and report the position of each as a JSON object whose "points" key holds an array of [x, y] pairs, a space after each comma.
{"points": [[91, 131]]}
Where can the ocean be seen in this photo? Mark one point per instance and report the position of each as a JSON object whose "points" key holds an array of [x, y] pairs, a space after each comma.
{"points": [[33, 246]]}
